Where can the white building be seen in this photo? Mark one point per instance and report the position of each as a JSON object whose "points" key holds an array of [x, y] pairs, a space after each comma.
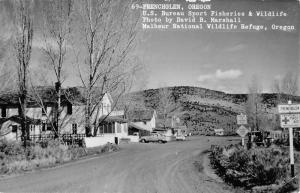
{"points": [[219, 132], [41, 118], [141, 121]]}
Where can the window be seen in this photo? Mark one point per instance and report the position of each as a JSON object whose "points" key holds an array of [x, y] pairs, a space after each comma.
{"points": [[107, 128], [69, 109], [31, 128], [14, 129], [49, 128], [43, 126], [74, 128], [3, 112]]}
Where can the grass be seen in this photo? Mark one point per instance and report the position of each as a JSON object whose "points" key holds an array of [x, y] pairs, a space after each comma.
{"points": [[15, 159]]}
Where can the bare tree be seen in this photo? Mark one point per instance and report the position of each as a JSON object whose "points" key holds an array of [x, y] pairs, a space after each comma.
{"points": [[56, 33], [23, 48], [254, 105], [288, 85], [108, 29], [132, 102], [167, 107], [7, 71]]}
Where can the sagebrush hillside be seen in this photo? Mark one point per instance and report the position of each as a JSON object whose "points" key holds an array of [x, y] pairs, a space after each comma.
{"points": [[203, 110]]}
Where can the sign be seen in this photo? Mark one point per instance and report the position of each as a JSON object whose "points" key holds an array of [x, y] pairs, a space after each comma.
{"points": [[242, 131], [289, 108], [241, 119], [289, 120]]}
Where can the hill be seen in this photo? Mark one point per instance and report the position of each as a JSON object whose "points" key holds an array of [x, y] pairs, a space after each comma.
{"points": [[202, 110]]}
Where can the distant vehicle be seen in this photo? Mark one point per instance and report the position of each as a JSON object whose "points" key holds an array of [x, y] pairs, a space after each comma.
{"points": [[154, 137], [260, 138], [180, 138]]}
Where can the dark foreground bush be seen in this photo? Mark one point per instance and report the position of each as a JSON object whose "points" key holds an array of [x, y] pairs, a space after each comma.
{"points": [[14, 158], [285, 142], [249, 168]]}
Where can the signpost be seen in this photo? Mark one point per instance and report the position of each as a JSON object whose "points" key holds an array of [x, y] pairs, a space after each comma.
{"points": [[289, 108], [242, 130], [289, 118], [241, 119]]}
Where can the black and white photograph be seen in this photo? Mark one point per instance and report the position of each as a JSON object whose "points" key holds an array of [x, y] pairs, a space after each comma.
{"points": [[150, 96]]}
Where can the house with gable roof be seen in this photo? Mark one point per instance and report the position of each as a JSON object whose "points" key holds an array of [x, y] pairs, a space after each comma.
{"points": [[41, 115], [141, 121]]}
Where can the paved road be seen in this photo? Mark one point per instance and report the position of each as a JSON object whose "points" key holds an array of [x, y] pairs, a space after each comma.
{"points": [[136, 168]]}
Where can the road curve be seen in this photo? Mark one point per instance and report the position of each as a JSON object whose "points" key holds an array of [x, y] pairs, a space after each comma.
{"points": [[136, 168]]}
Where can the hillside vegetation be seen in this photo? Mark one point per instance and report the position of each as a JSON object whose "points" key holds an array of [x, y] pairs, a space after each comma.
{"points": [[203, 110]]}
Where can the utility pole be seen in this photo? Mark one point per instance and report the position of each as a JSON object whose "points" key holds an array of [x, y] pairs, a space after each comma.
{"points": [[291, 140]]}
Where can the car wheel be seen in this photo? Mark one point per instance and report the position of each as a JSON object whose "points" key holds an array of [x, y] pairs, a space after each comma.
{"points": [[160, 141], [143, 141]]}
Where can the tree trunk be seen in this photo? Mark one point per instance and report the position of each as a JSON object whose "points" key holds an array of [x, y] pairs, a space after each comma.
{"points": [[87, 115], [24, 127], [57, 110]]}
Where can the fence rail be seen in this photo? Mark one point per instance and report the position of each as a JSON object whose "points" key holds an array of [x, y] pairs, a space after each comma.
{"points": [[67, 139]]}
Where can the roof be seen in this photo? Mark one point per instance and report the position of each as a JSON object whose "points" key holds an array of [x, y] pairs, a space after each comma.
{"points": [[74, 95], [130, 124], [112, 119], [17, 119], [140, 115], [163, 128]]}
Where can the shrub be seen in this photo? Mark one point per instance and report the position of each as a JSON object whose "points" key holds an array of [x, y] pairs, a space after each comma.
{"points": [[109, 147], [11, 150], [249, 168], [285, 142], [78, 152], [14, 158]]}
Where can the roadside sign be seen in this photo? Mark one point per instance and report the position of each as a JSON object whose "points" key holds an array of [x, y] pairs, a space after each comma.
{"points": [[242, 131], [289, 108], [289, 120], [241, 119]]}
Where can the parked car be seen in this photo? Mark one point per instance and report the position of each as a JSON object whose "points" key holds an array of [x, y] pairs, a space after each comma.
{"points": [[180, 137], [260, 138], [154, 137]]}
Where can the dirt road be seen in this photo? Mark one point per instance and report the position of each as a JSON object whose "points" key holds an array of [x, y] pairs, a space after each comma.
{"points": [[136, 168]]}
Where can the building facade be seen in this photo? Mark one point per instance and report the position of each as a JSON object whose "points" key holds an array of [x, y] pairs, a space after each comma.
{"points": [[42, 116]]}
